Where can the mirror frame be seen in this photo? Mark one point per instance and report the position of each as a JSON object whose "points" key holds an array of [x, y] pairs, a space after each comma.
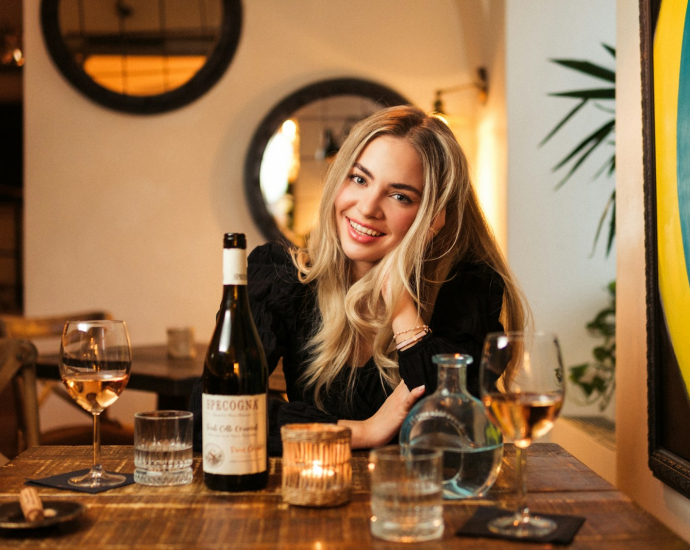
{"points": [[215, 66], [282, 111]]}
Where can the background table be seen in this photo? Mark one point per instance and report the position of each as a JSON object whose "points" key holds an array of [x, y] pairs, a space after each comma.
{"points": [[152, 370], [192, 516]]}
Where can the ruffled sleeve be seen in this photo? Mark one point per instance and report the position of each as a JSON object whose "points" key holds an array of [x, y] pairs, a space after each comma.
{"points": [[467, 309], [275, 297]]}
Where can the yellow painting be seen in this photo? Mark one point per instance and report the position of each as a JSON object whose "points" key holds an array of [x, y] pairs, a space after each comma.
{"points": [[672, 134]]}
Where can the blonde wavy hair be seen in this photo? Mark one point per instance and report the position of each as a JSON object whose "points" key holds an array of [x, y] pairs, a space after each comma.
{"points": [[420, 263]]}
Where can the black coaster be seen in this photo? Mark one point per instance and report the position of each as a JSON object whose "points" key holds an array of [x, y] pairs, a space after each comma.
{"points": [[476, 527], [60, 481]]}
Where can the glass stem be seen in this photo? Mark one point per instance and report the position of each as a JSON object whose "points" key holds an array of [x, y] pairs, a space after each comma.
{"points": [[96, 443], [521, 467]]}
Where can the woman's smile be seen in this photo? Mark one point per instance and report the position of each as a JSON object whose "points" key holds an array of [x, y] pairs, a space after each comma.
{"points": [[361, 230]]}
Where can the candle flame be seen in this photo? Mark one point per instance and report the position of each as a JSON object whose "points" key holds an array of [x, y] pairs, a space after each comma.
{"points": [[317, 470]]}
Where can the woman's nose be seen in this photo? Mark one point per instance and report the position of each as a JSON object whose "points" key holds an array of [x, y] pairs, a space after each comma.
{"points": [[369, 204]]}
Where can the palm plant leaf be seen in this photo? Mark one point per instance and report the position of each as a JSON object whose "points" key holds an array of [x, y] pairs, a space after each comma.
{"points": [[563, 121], [605, 109], [609, 49], [610, 164], [612, 224], [588, 68], [584, 149], [596, 93], [610, 206], [587, 146]]}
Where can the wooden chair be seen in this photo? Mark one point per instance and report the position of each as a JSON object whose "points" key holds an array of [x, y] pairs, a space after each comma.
{"points": [[50, 327], [18, 366]]}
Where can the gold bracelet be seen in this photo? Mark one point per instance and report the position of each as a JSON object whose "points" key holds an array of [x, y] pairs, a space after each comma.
{"points": [[424, 327], [421, 334]]}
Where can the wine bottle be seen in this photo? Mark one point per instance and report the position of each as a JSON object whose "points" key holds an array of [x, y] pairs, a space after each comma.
{"points": [[235, 384]]}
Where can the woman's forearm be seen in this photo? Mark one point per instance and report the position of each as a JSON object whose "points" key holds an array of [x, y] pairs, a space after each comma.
{"points": [[360, 437]]}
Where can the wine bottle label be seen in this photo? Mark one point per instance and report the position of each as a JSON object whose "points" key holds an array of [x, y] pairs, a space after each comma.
{"points": [[234, 434], [234, 266]]}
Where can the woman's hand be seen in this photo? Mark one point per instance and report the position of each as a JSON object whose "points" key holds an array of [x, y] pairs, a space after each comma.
{"points": [[382, 427]]}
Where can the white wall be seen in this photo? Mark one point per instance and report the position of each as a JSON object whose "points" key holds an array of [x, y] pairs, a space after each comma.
{"points": [[551, 233], [634, 476]]}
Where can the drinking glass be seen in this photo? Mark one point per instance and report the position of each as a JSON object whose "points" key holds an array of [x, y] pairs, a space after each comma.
{"points": [[522, 387], [163, 448], [95, 358], [406, 493]]}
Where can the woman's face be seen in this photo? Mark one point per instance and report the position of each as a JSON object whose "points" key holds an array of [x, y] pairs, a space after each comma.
{"points": [[378, 201]]}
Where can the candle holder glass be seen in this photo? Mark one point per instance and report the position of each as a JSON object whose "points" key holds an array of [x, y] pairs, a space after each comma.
{"points": [[316, 464]]}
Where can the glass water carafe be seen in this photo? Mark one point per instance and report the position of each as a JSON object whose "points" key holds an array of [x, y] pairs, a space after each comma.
{"points": [[455, 422]]}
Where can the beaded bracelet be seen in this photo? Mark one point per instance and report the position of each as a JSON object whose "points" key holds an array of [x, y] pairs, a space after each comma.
{"points": [[423, 327]]}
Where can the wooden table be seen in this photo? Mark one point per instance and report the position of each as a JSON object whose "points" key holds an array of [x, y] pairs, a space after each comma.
{"points": [[191, 516], [152, 370]]}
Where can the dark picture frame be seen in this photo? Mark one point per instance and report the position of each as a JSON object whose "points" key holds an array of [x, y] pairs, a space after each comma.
{"points": [[218, 61], [668, 404]]}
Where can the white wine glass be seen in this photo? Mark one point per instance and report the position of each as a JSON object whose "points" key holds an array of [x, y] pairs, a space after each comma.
{"points": [[95, 359], [522, 387]]}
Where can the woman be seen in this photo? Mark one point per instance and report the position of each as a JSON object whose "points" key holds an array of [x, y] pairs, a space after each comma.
{"points": [[401, 266]]}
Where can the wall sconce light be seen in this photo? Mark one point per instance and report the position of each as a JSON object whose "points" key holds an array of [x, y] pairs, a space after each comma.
{"points": [[481, 85]]}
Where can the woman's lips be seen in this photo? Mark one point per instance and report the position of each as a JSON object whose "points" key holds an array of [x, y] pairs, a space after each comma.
{"points": [[362, 233]]}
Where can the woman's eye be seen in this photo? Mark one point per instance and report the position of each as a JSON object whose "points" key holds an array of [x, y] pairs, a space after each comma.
{"points": [[359, 180], [401, 198]]}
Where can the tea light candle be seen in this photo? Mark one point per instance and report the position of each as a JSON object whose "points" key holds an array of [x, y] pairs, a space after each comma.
{"points": [[316, 464], [317, 471]]}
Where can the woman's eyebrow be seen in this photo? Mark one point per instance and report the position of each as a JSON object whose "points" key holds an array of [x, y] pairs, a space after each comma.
{"points": [[363, 169], [406, 187]]}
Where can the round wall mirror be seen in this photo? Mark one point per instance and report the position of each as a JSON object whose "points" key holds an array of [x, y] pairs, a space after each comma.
{"points": [[142, 56], [292, 147]]}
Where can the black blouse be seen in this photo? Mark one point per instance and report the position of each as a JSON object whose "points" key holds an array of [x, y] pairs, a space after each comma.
{"points": [[286, 314]]}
